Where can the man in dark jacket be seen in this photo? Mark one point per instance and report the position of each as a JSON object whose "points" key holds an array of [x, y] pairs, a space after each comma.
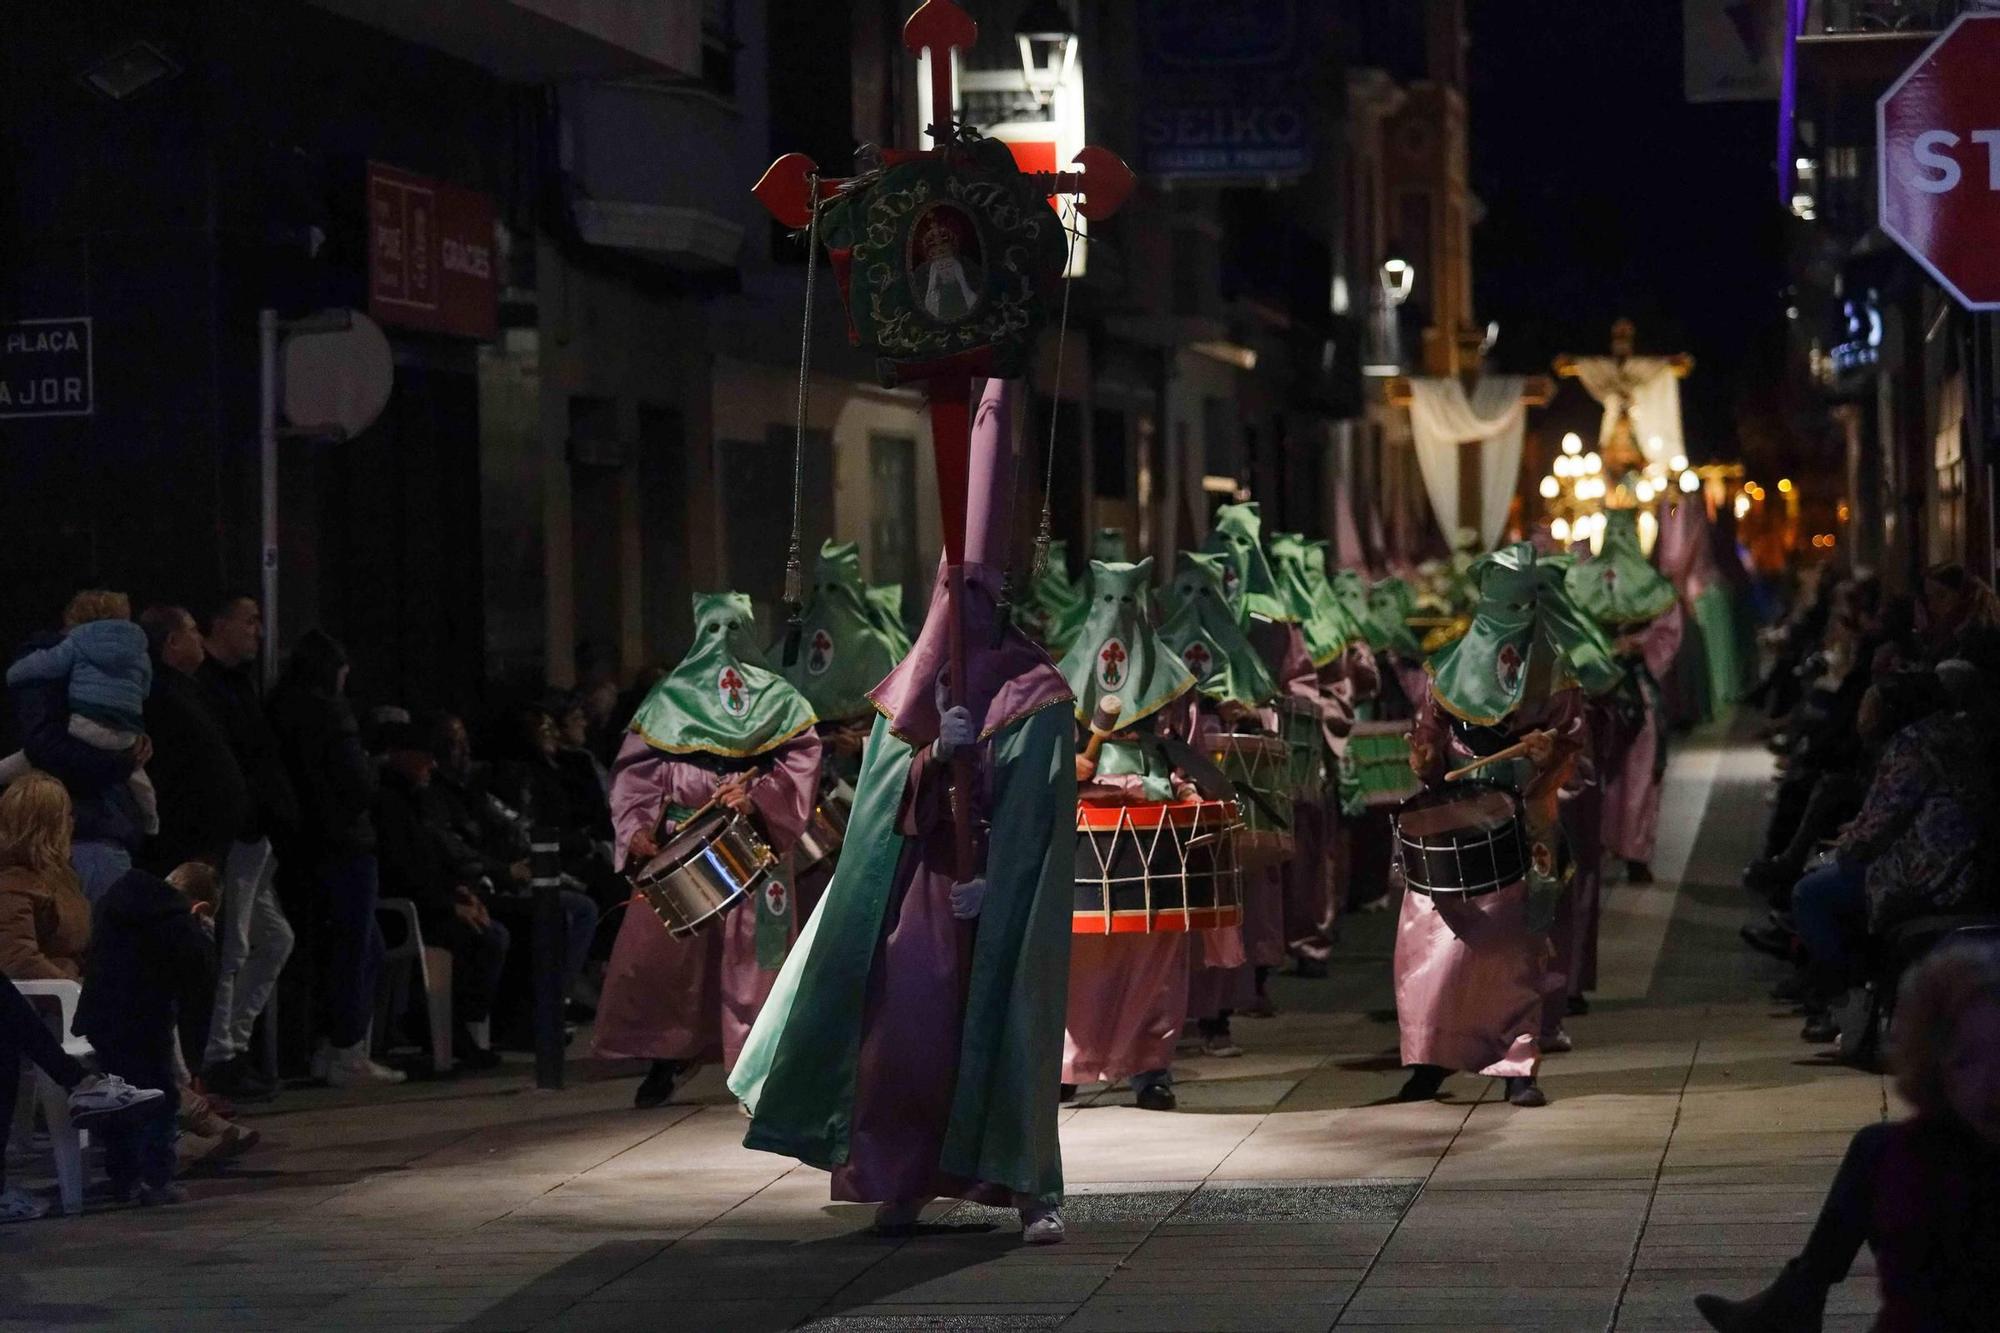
{"points": [[147, 983], [320, 743], [415, 865], [208, 813], [109, 829]]}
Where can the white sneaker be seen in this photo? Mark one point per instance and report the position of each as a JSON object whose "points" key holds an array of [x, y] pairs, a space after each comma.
{"points": [[350, 1067], [1559, 1044], [1041, 1226], [101, 1095], [1221, 1048]]}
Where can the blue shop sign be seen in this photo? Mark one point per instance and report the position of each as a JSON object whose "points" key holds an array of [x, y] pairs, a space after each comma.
{"points": [[45, 368], [1224, 90]]}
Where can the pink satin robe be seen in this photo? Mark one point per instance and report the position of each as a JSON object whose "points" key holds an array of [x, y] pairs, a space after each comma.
{"points": [[1631, 791], [695, 998]]}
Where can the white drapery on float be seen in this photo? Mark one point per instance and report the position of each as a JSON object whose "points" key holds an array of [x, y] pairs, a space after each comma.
{"points": [[1442, 418], [1650, 388]]}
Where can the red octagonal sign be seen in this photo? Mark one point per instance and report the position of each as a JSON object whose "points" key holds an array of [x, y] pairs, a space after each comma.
{"points": [[1937, 144]]}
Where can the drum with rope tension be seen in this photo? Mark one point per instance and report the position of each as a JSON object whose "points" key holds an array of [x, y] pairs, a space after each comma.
{"points": [[1462, 840], [1155, 867], [1263, 765], [1299, 724], [1375, 767], [827, 828]]}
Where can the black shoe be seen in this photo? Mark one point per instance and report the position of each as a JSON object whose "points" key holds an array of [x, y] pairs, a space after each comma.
{"points": [[1770, 940], [1156, 1097], [1424, 1083], [1523, 1092], [1313, 969], [1789, 1305], [576, 1011], [238, 1080], [659, 1084], [1791, 990], [472, 1057], [1067, 1095], [1769, 872], [1638, 872], [1577, 1006], [1820, 1028]]}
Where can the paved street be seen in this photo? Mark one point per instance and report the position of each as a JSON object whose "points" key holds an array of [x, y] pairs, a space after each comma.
{"points": [[1687, 1143]]}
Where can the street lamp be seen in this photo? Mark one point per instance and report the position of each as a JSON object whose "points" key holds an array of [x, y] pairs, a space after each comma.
{"points": [[1047, 38], [1399, 277]]}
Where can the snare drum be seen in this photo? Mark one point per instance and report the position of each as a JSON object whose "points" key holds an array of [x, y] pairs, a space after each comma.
{"points": [[1262, 764], [1375, 767], [827, 828], [1169, 866], [711, 864], [1299, 724], [1463, 840]]}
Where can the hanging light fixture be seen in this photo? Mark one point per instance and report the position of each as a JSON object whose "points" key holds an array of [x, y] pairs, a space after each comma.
{"points": [[1046, 36]]}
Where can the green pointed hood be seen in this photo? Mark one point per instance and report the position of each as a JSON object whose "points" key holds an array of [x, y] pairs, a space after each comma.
{"points": [[1118, 652], [843, 650], [722, 699], [1618, 587], [1211, 644], [1320, 623], [1053, 607], [1108, 545], [885, 604], [1527, 641], [1246, 579], [1350, 589], [1392, 603]]}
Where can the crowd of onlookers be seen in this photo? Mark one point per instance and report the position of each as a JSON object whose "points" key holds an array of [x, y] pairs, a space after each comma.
{"points": [[1885, 821], [200, 855]]}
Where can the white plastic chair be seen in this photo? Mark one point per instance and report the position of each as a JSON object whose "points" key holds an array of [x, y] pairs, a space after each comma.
{"points": [[433, 969], [65, 1138]]}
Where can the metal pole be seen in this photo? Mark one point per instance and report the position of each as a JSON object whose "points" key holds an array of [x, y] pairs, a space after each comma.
{"points": [[549, 946], [267, 463]]}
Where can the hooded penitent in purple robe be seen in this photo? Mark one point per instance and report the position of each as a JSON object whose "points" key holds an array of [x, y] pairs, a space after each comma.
{"points": [[695, 998], [1636, 759], [907, 1051], [1472, 974]]}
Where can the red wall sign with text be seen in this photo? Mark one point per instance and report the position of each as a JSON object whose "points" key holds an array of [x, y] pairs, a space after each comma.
{"points": [[432, 261]]}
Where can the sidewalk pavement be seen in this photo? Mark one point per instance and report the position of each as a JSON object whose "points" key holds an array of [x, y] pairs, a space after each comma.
{"points": [[1686, 1146]]}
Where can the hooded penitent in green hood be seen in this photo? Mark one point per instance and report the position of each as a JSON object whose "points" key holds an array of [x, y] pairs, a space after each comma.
{"points": [[885, 604], [1391, 603], [1204, 631], [1054, 606], [1118, 652], [843, 650], [722, 699], [1350, 589], [1527, 641], [1618, 587], [1320, 622], [1247, 580], [1108, 545]]}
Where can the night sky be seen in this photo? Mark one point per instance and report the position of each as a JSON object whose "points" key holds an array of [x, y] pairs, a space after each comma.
{"points": [[1608, 194]]}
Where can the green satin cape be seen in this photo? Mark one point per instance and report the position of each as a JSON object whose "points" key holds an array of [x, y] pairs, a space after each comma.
{"points": [[1618, 587], [1524, 629], [797, 1070], [1247, 581], [843, 650]]}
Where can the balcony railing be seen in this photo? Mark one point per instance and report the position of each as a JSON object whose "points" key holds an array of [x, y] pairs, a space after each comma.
{"points": [[1886, 17]]}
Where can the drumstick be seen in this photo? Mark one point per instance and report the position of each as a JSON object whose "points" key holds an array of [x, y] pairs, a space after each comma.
{"points": [[1102, 723], [1511, 752]]}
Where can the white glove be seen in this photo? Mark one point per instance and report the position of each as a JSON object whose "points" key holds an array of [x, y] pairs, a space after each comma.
{"points": [[956, 730], [967, 897]]}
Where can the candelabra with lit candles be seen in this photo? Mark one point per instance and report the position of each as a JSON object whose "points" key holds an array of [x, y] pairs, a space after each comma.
{"points": [[1581, 486]]}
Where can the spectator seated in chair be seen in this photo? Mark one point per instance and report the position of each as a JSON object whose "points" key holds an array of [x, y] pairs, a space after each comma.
{"points": [[451, 912]]}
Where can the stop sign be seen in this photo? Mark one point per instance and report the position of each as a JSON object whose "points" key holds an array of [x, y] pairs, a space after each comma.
{"points": [[1937, 146]]}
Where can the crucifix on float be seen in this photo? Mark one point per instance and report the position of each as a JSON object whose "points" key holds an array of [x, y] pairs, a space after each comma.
{"points": [[946, 258], [1471, 408], [1641, 398]]}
